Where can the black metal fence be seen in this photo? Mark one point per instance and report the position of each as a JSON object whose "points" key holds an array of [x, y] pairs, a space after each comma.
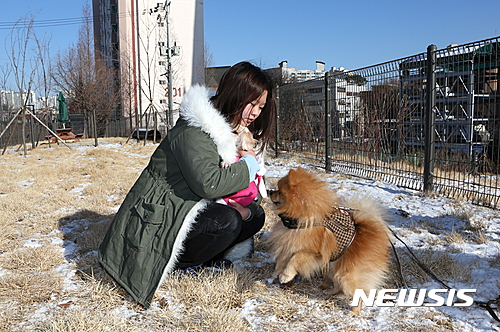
{"points": [[428, 122]]}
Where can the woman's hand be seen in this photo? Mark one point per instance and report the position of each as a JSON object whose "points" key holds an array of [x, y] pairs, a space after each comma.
{"points": [[245, 212], [245, 152]]}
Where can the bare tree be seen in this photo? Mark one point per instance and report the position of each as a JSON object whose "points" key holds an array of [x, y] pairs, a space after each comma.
{"points": [[44, 85], [206, 62], [152, 40], [126, 89], [22, 60], [208, 67], [24, 63], [5, 72], [380, 112], [152, 77], [85, 78]]}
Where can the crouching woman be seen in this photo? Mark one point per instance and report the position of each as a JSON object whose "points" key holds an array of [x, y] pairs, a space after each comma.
{"points": [[169, 220]]}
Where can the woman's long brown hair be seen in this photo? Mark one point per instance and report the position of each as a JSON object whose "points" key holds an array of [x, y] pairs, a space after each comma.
{"points": [[239, 86]]}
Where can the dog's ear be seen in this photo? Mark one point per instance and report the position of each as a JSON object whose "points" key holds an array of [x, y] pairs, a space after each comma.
{"points": [[299, 175], [293, 176]]}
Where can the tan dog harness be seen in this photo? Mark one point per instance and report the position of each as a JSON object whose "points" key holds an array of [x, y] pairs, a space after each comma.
{"points": [[339, 222]]}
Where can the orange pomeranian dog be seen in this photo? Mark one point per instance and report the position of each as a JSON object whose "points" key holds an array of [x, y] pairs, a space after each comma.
{"points": [[316, 233]]}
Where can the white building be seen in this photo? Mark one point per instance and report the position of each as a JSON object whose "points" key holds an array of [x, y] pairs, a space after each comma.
{"points": [[309, 93], [46, 103], [11, 100], [135, 37], [345, 94], [292, 75]]}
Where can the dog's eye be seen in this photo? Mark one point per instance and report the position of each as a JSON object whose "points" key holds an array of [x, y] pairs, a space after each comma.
{"points": [[271, 191]]}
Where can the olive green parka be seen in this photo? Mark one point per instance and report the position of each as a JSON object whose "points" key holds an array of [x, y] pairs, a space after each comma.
{"points": [[146, 236]]}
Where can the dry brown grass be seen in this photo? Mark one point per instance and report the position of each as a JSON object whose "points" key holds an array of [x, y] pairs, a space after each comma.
{"points": [[444, 265], [43, 194], [455, 237], [30, 288], [481, 238], [56, 205], [208, 301]]}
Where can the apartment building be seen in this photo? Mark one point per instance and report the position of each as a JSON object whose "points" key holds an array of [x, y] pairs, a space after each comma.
{"points": [[150, 43], [291, 75], [12, 101]]}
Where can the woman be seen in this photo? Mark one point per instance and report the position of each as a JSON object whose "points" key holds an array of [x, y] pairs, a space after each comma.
{"points": [[169, 219]]}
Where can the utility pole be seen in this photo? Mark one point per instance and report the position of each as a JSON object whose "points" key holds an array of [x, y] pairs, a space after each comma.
{"points": [[169, 68], [169, 51]]}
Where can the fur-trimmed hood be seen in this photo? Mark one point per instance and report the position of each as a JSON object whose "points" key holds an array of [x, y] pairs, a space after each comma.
{"points": [[198, 111]]}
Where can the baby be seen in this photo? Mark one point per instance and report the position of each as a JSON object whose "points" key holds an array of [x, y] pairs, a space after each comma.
{"points": [[245, 141]]}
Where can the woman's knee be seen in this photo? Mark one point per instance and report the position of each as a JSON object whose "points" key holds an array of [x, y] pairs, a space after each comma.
{"points": [[259, 219], [231, 221], [221, 218]]}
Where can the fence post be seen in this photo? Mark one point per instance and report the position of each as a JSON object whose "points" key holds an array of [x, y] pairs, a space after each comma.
{"points": [[328, 126], [94, 124], [24, 131], [430, 119], [475, 162], [277, 124]]}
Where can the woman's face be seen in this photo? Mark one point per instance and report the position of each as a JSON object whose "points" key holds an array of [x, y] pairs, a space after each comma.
{"points": [[253, 109]]}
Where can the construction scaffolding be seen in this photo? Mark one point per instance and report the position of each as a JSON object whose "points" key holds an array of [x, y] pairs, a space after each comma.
{"points": [[427, 122]]}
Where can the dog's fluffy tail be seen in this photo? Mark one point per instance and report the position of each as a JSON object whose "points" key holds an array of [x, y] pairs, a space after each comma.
{"points": [[367, 211]]}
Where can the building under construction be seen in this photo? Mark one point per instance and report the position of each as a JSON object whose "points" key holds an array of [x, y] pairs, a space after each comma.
{"points": [[467, 98]]}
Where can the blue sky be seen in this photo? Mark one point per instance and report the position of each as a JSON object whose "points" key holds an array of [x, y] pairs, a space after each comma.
{"points": [[62, 35], [351, 34]]}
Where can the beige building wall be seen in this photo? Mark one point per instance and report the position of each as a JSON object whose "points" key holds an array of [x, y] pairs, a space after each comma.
{"points": [[142, 39]]}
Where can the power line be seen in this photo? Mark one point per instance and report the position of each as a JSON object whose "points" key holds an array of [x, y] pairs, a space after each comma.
{"points": [[48, 23], [41, 23]]}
